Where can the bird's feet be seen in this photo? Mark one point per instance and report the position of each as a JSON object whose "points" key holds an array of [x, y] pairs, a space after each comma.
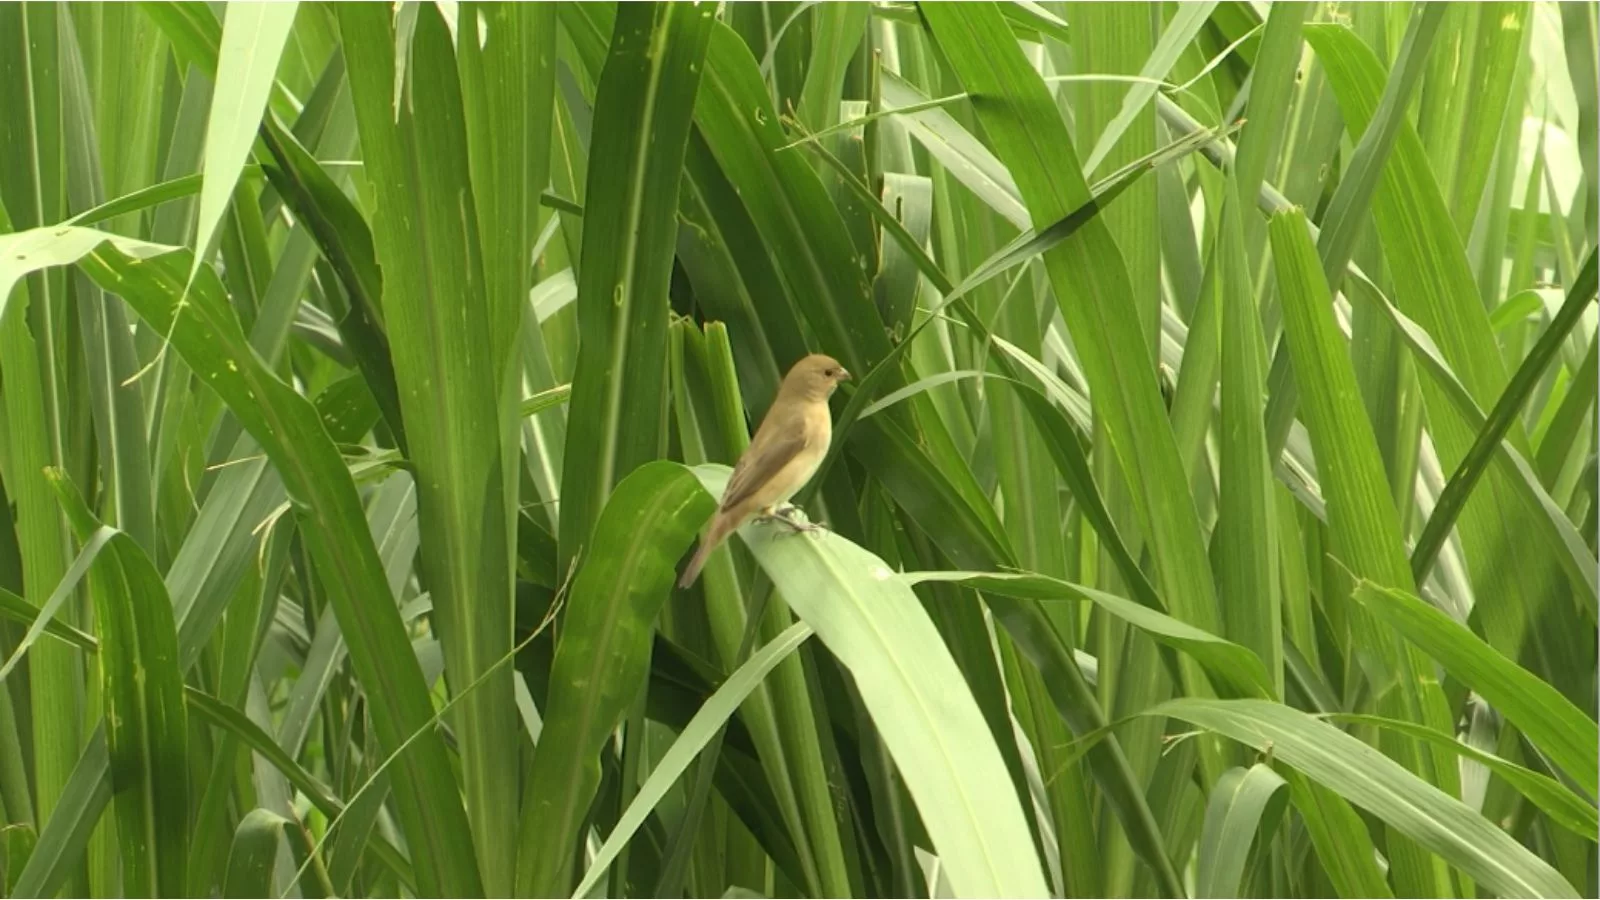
{"points": [[786, 515]]}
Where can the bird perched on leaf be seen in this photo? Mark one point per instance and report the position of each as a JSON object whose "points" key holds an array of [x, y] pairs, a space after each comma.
{"points": [[781, 458]]}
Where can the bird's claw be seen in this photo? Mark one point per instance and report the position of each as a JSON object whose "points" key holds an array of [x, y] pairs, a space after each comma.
{"points": [[785, 515]]}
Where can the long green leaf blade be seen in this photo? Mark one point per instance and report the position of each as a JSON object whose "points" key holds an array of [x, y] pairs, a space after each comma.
{"points": [[253, 36], [1378, 784], [146, 733], [1550, 720], [879, 631]]}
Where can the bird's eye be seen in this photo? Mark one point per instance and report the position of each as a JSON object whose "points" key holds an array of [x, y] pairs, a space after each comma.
{"points": [[831, 372]]}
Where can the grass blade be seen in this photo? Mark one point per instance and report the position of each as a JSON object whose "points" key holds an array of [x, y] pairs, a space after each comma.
{"points": [[1230, 664], [452, 332], [1435, 820], [211, 341], [1242, 802], [1548, 719], [707, 721], [1453, 499], [880, 633], [254, 852], [19, 610], [143, 694], [1564, 807], [1190, 18], [253, 36], [1361, 518], [66, 832], [601, 661], [1434, 286], [651, 76], [1245, 542]]}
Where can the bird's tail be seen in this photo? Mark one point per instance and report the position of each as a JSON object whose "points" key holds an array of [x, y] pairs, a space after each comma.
{"points": [[713, 538]]}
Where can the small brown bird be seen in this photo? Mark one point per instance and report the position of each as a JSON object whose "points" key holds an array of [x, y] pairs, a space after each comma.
{"points": [[781, 458]]}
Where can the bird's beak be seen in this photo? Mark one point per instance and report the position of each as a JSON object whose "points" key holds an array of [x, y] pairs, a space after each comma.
{"points": [[844, 374]]}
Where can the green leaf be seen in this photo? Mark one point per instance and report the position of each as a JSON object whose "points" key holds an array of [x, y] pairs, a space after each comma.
{"points": [[835, 36], [1433, 285], [116, 396], [1188, 21], [1229, 664], [508, 86], [152, 279], [781, 718], [1243, 801], [1362, 520], [1376, 783], [452, 329], [143, 697], [1094, 296], [346, 243], [652, 76], [33, 442], [1102, 312], [547, 399], [1348, 210], [1574, 553], [799, 224], [254, 852], [19, 610], [917, 697], [1515, 309], [42, 618], [1030, 243], [16, 847], [1564, 807], [154, 195], [1453, 499], [253, 36], [1463, 127], [1245, 542], [1548, 719], [236, 723], [601, 660], [66, 832], [712, 715], [962, 155]]}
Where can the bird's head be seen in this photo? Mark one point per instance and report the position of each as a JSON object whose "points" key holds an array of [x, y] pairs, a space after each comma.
{"points": [[815, 377]]}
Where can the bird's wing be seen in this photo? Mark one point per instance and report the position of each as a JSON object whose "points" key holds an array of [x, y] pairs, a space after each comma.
{"points": [[770, 450]]}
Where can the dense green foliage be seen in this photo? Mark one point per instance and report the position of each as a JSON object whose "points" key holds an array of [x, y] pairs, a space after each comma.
{"points": [[1212, 513]]}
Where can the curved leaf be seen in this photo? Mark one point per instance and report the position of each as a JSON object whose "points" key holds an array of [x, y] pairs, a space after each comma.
{"points": [[1242, 802], [17, 609], [253, 35], [254, 852], [1549, 719], [652, 77], [142, 691], [1228, 663], [602, 659], [1557, 800], [711, 716], [152, 279], [917, 698], [1378, 784], [452, 328]]}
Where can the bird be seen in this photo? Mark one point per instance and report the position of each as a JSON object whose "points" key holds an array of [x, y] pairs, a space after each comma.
{"points": [[787, 448]]}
